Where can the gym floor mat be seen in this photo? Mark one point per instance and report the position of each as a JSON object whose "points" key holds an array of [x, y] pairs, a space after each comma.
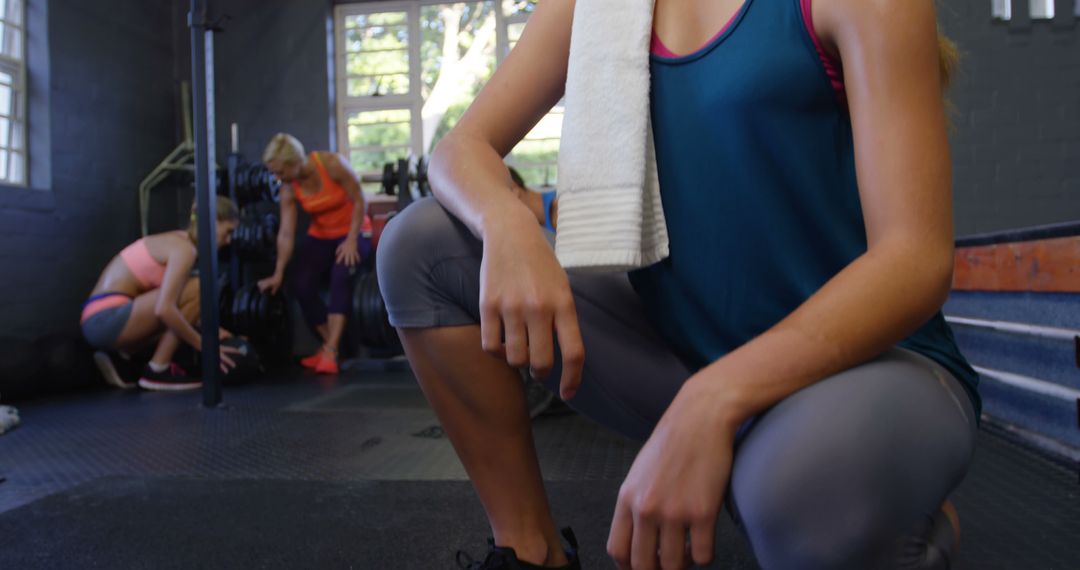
{"points": [[192, 523], [146, 474]]}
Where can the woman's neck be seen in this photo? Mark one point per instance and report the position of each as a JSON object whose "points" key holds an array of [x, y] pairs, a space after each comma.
{"points": [[307, 170]]}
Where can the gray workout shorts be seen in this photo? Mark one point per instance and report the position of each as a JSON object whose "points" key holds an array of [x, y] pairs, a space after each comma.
{"points": [[103, 328]]}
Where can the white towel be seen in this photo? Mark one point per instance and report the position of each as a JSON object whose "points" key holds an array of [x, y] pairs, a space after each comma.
{"points": [[610, 215]]}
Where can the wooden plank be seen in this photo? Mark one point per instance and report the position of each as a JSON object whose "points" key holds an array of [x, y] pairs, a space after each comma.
{"points": [[1049, 265]]}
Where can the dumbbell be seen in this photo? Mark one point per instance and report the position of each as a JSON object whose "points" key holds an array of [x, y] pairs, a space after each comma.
{"points": [[397, 176]]}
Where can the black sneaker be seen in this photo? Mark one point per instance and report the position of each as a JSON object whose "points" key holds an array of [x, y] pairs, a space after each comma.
{"points": [[503, 558], [172, 379]]}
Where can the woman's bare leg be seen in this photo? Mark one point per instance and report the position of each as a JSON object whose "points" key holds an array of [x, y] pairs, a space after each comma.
{"points": [[144, 326], [324, 331], [481, 404], [335, 328], [189, 307]]}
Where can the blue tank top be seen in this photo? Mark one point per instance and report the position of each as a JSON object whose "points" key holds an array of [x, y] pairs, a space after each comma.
{"points": [[757, 174]]}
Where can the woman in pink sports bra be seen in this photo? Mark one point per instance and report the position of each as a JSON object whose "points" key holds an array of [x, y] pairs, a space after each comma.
{"points": [[147, 290]]}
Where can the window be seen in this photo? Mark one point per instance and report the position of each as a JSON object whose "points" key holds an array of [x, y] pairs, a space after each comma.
{"points": [[1001, 9], [406, 72], [536, 157], [12, 93], [1042, 9], [1039, 9]]}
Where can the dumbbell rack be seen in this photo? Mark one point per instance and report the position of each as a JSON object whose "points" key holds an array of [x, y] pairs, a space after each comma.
{"points": [[245, 310]]}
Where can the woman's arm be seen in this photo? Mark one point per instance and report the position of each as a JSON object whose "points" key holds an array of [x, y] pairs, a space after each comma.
{"points": [[524, 293], [286, 236], [341, 171], [889, 52], [890, 59], [177, 272]]}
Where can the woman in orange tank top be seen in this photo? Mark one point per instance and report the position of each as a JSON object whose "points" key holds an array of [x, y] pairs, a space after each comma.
{"points": [[338, 238], [146, 293]]}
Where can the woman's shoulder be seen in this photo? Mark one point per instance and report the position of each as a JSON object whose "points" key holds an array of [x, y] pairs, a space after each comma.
{"points": [[164, 245], [330, 160]]}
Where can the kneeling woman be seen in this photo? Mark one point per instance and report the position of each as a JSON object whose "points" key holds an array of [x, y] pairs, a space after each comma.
{"points": [[325, 186], [147, 290]]}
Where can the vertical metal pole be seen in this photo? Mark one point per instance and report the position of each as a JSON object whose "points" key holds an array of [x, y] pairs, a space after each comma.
{"points": [[202, 91], [331, 75], [233, 166]]}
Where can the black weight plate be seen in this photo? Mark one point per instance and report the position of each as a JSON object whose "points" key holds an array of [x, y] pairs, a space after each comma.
{"points": [[358, 308], [374, 302], [275, 313], [371, 322], [254, 241], [389, 179], [422, 176], [258, 238], [237, 311], [225, 306], [274, 191], [254, 325], [246, 238], [245, 312], [365, 309], [262, 310], [386, 332]]}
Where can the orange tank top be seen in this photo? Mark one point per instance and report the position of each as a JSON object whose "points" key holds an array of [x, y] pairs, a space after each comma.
{"points": [[331, 208]]}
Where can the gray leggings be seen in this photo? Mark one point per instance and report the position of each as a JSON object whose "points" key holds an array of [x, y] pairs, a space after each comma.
{"points": [[847, 473]]}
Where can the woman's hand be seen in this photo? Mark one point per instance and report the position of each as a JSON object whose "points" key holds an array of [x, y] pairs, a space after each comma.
{"points": [[676, 486], [347, 254], [524, 296], [226, 363], [223, 334], [272, 283]]}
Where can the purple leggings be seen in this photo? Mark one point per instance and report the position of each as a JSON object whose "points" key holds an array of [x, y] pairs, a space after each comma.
{"points": [[315, 263]]}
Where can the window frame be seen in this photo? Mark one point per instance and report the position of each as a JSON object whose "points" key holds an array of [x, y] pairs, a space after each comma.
{"points": [[413, 100], [17, 68], [1002, 10]]}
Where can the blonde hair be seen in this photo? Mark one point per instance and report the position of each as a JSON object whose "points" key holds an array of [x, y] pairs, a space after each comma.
{"points": [[284, 147], [948, 62], [226, 212], [948, 59]]}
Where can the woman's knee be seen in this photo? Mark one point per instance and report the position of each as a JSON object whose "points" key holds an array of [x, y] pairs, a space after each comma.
{"points": [[305, 285], [189, 300], [414, 240], [190, 291], [833, 475], [791, 527]]}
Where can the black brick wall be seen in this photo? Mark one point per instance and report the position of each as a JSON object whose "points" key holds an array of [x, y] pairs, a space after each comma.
{"points": [[1016, 147], [112, 116]]}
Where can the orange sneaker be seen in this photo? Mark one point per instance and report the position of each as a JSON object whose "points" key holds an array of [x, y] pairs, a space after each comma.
{"points": [[312, 361], [327, 364]]}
